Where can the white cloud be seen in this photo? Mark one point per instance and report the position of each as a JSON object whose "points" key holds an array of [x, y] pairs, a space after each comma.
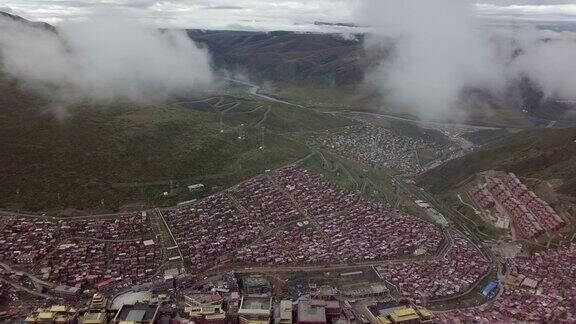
{"points": [[103, 59], [437, 52], [298, 15], [550, 65], [535, 12]]}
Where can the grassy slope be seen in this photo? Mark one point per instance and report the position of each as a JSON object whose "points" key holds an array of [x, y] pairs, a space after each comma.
{"points": [[320, 96], [372, 183], [358, 99], [543, 153], [498, 116], [284, 119], [121, 153], [483, 137]]}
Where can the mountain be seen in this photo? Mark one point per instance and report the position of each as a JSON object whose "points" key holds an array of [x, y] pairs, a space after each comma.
{"points": [[301, 63], [326, 59], [98, 157], [28, 22], [545, 154], [539, 107], [338, 63]]}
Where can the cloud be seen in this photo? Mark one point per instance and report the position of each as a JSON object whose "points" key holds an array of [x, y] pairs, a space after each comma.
{"points": [[266, 15], [527, 2], [436, 53], [437, 50], [103, 59], [297, 15], [223, 7], [549, 64], [528, 12]]}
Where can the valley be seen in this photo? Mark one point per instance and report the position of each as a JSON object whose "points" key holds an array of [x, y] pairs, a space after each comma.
{"points": [[289, 190]]}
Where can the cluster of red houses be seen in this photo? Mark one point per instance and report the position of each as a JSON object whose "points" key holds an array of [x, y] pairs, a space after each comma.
{"points": [[26, 240], [452, 275], [524, 220], [265, 203], [118, 228], [312, 193], [88, 263], [66, 252], [373, 231], [540, 289], [342, 227], [532, 216], [295, 245], [545, 214], [369, 231], [483, 198], [133, 260], [210, 229], [377, 146], [78, 263]]}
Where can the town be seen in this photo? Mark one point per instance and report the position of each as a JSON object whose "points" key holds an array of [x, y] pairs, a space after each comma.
{"points": [[287, 246], [287, 162], [381, 147]]}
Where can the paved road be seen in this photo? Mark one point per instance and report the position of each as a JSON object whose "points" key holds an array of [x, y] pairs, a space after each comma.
{"points": [[255, 91], [55, 218], [264, 118], [22, 288], [28, 274], [159, 214], [315, 268], [467, 204]]}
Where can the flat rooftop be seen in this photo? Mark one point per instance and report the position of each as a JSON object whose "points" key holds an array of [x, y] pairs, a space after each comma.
{"points": [[384, 309], [257, 305], [310, 314], [364, 289], [138, 313]]}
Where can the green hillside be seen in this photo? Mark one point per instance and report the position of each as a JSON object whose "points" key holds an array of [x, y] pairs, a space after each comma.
{"points": [[100, 157], [545, 154]]}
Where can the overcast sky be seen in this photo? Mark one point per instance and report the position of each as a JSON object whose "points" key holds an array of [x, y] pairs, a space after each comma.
{"points": [[298, 15]]}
